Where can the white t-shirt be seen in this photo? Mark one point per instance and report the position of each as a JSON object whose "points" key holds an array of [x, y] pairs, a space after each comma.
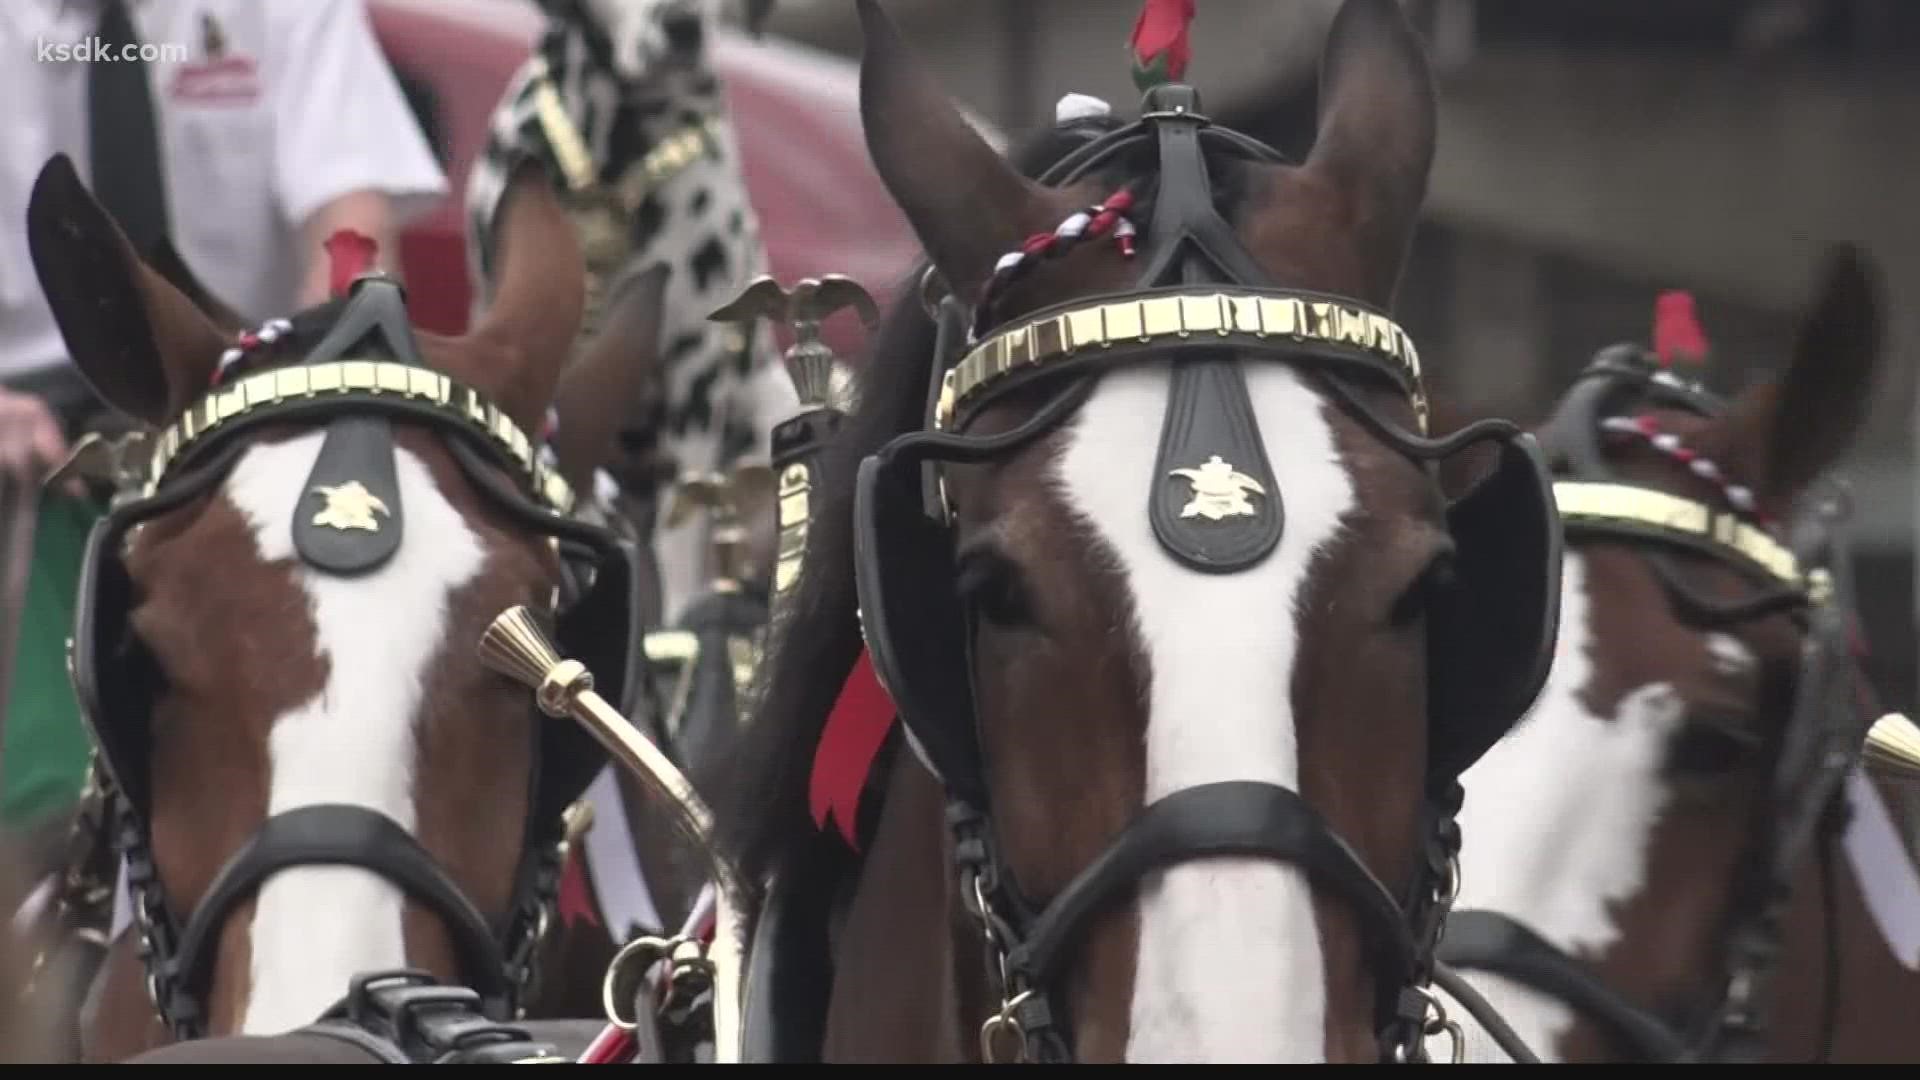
{"points": [[266, 110]]}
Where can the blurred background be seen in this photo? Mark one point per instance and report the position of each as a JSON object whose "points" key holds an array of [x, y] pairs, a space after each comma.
{"points": [[1591, 154]]}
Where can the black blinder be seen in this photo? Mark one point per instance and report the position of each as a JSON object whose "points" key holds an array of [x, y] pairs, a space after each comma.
{"points": [[113, 674], [912, 618], [1490, 641]]}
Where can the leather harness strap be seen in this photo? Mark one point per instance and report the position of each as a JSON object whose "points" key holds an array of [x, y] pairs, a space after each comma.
{"points": [[405, 1017]]}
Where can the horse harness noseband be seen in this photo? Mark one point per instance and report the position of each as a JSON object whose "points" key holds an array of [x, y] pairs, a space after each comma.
{"points": [[1204, 303], [1811, 581], [363, 375]]}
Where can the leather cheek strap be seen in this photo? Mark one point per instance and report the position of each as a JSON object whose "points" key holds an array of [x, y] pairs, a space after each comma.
{"points": [[1233, 817], [343, 835], [1491, 942]]}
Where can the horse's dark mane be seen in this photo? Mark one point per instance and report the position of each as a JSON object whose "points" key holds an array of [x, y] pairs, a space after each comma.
{"points": [[761, 796]]}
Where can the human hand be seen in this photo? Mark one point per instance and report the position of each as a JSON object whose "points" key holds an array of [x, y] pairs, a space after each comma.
{"points": [[31, 442]]}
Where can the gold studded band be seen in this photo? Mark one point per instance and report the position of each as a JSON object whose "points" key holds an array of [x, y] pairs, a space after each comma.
{"points": [[285, 390], [1586, 501], [663, 162], [1261, 318]]}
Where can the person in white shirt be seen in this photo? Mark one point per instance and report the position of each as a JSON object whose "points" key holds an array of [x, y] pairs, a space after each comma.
{"points": [[276, 123]]}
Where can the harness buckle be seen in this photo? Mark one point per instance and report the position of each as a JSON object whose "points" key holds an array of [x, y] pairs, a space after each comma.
{"points": [[1434, 1021], [1002, 1026]]}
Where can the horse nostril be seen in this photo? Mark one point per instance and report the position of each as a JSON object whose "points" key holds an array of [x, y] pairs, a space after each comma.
{"points": [[683, 30]]}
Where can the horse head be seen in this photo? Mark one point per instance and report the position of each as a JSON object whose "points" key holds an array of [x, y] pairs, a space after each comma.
{"points": [[275, 642], [1633, 849], [1148, 550]]}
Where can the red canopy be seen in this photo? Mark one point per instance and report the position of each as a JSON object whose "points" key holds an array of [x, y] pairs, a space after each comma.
{"points": [[822, 207]]}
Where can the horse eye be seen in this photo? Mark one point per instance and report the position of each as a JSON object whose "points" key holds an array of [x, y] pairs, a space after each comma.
{"points": [[993, 585], [1434, 580]]}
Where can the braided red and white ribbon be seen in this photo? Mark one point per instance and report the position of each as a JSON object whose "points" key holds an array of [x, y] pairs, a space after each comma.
{"points": [[1106, 218], [1739, 496], [268, 333]]}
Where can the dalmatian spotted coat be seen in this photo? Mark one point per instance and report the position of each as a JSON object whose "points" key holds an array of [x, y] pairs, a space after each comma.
{"points": [[630, 74]]}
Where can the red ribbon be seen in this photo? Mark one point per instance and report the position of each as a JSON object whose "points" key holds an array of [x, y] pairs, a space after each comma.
{"points": [[1676, 330], [576, 897], [349, 255], [856, 729], [1160, 37]]}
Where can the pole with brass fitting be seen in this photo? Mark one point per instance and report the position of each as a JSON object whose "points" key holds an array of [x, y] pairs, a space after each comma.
{"points": [[515, 646], [1894, 742], [819, 379]]}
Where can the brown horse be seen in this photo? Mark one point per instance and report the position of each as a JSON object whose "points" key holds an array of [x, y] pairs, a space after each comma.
{"points": [[1181, 628], [1679, 854], [633, 871], [316, 776]]}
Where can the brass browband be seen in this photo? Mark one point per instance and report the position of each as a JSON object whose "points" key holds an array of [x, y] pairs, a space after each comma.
{"points": [[1176, 317], [1588, 501], [303, 387]]}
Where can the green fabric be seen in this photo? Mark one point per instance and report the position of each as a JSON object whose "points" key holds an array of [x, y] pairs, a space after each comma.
{"points": [[44, 761], [1152, 73]]}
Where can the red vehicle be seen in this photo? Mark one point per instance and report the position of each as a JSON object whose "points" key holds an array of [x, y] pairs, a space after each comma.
{"points": [[822, 207]]}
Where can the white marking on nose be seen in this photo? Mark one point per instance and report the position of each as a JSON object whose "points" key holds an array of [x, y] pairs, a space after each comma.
{"points": [[1558, 818], [315, 927], [1230, 966]]}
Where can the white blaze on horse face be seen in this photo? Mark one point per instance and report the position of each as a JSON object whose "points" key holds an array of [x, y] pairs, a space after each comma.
{"points": [[1230, 967], [315, 927], [1558, 818]]}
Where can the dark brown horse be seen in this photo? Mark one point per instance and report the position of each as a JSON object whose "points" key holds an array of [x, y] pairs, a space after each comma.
{"points": [[318, 778], [1186, 640], [1680, 854]]}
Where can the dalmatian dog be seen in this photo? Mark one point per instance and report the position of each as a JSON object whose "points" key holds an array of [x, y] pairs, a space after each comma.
{"points": [[621, 99]]}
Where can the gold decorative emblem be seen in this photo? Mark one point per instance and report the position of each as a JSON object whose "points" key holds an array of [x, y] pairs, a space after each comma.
{"points": [[349, 506], [1219, 490]]}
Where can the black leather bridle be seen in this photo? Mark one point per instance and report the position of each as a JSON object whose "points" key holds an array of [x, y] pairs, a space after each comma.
{"points": [[1822, 741], [902, 523], [363, 374]]}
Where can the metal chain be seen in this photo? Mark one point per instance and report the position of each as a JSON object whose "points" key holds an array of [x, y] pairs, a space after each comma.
{"points": [[155, 926], [1003, 1027], [1420, 1014]]}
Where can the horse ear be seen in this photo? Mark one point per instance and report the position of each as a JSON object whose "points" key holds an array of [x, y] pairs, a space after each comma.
{"points": [[1784, 433], [597, 392], [142, 345], [1376, 131], [966, 203], [171, 265], [526, 335]]}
